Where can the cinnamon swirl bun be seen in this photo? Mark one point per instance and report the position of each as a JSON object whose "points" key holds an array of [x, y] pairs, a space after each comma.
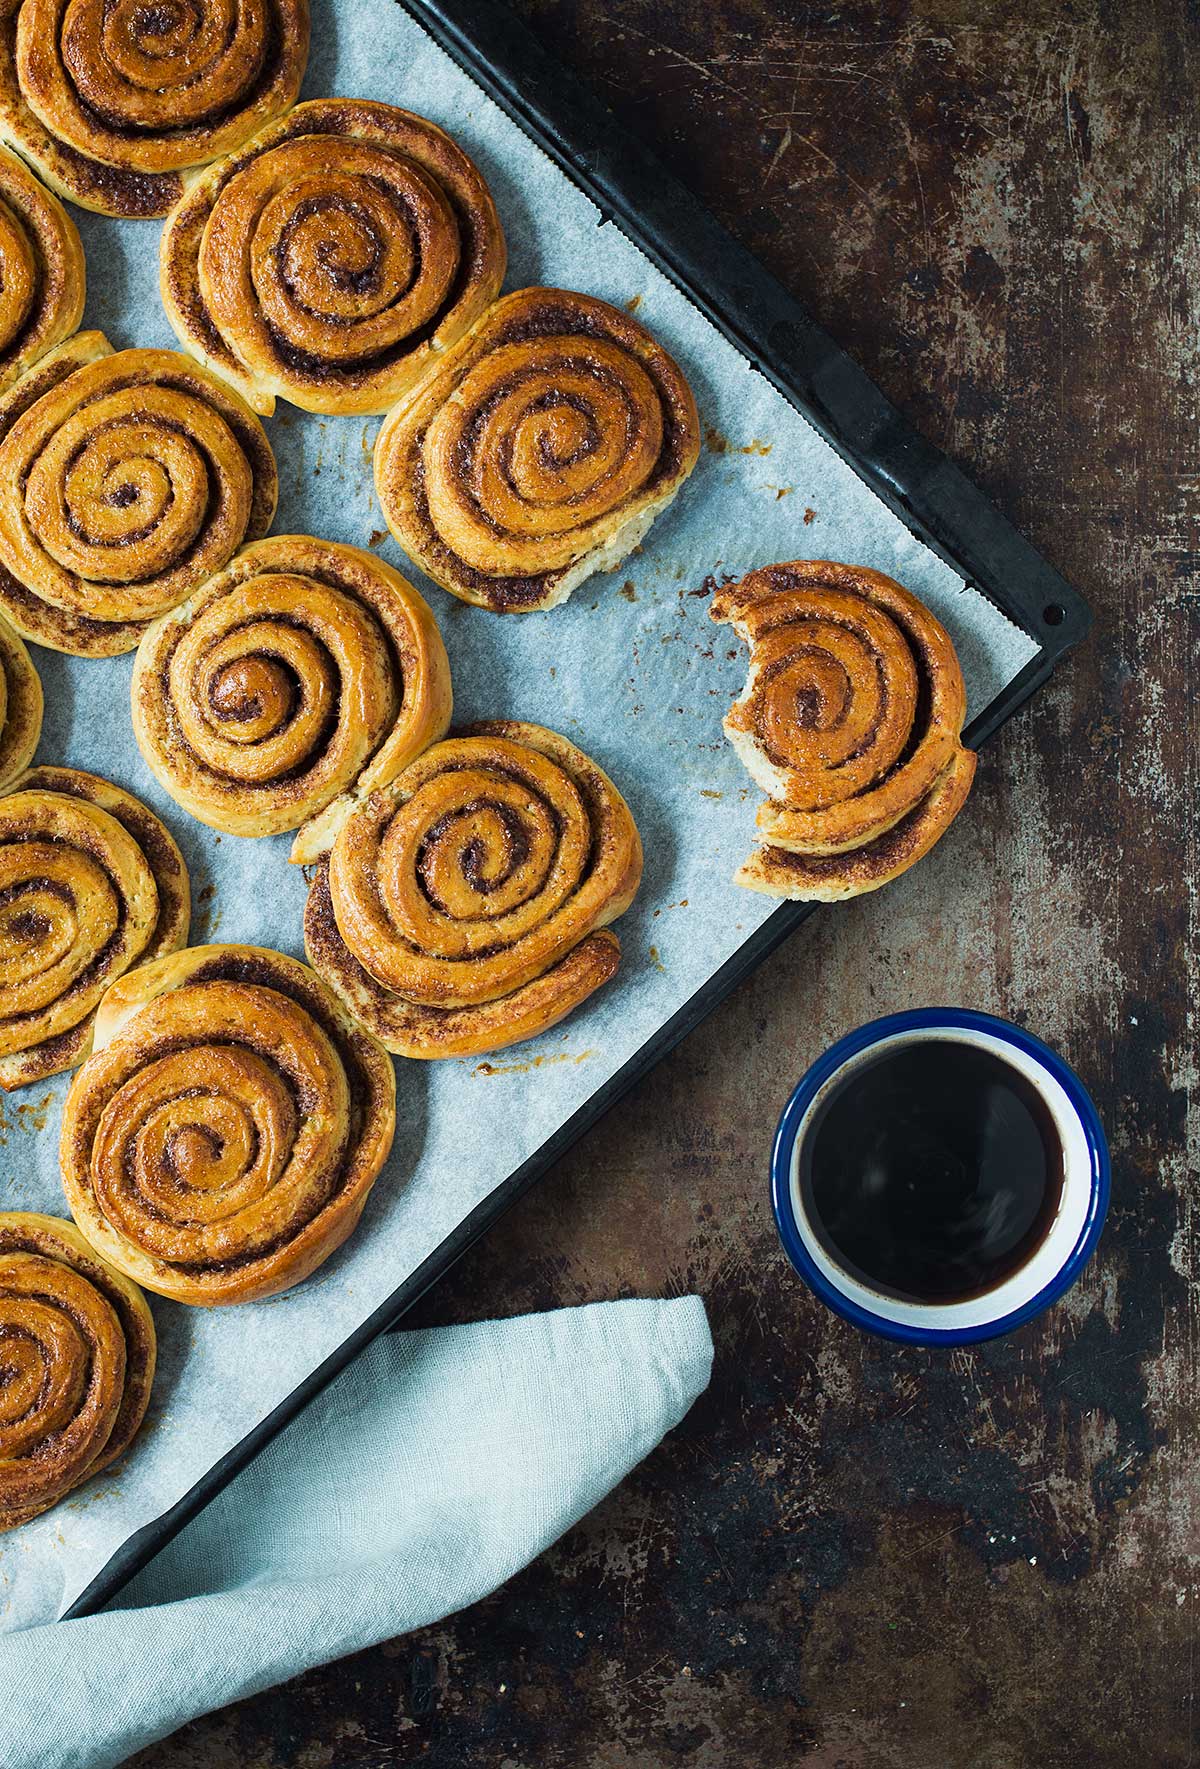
{"points": [[20, 707], [301, 677], [113, 99], [221, 1141], [42, 274], [334, 258], [126, 479], [77, 1354], [851, 719], [462, 903], [91, 883], [539, 451]]}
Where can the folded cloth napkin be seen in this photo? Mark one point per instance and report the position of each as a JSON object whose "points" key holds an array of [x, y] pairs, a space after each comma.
{"points": [[437, 1466]]}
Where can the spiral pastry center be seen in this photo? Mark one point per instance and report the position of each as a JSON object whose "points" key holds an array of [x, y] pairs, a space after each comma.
{"points": [[541, 442], [832, 694], [222, 1147], [121, 490], [481, 866], [259, 679], [251, 697], [475, 859], [135, 477], [203, 1150], [162, 64], [345, 262]]}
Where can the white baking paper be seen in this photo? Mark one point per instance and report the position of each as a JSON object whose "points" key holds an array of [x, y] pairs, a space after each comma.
{"points": [[631, 669]]}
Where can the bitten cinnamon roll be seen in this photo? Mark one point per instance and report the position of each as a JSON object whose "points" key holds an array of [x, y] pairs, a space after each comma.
{"points": [[334, 258], [303, 675], [461, 906], [539, 452], [113, 99], [126, 479], [20, 707], [77, 1354], [222, 1140], [91, 883], [850, 720], [42, 274]]}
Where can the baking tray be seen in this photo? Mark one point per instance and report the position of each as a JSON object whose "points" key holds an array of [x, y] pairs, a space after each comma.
{"points": [[934, 499]]}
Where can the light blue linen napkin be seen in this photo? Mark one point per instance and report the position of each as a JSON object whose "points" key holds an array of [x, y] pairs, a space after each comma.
{"points": [[437, 1466]]}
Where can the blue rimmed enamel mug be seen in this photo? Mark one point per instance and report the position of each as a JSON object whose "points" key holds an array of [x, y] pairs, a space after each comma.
{"points": [[1054, 1264]]}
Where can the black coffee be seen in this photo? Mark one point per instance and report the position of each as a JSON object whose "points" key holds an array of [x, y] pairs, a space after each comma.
{"points": [[932, 1172]]}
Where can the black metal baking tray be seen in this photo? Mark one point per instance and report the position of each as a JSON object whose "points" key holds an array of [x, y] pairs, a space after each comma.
{"points": [[931, 495]]}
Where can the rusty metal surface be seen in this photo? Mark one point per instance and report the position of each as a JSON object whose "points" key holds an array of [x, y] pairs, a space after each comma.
{"points": [[853, 1555]]}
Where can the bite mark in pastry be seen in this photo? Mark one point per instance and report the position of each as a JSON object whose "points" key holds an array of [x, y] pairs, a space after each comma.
{"points": [[462, 904], [539, 452], [112, 100], [222, 1140], [77, 1355], [91, 883], [334, 258], [126, 478], [294, 682]]}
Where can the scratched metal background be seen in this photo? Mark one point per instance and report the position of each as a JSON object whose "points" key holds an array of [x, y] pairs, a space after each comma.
{"points": [[849, 1555]]}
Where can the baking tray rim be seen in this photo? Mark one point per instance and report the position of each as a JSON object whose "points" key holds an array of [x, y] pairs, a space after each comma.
{"points": [[769, 327]]}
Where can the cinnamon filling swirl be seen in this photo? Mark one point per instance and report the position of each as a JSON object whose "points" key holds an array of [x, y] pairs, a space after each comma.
{"points": [[223, 1138], [850, 720], [541, 450], [467, 883]]}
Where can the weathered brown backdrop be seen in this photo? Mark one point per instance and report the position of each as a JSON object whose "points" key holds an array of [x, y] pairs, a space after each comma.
{"points": [[852, 1555]]}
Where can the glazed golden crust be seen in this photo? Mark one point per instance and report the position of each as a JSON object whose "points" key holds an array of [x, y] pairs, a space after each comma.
{"points": [[93, 883], [831, 878], [540, 450], [43, 279], [77, 1356], [20, 706], [223, 1138], [851, 716], [123, 485], [409, 1029], [334, 258], [462, 889], [299, 678], [113, 101]]}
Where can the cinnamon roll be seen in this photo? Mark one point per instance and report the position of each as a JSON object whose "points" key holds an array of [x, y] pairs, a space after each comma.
{"points": [[77, 1354], [42, 273], [113, 99], [126, 479], [334, 258], [851, 720], [303, 675], [222, 1140], [461, 904], [539, 452], [20, 707], [91, 883]]}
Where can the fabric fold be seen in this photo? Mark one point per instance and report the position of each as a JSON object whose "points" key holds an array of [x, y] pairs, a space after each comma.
{"points": [[435, 1468]]}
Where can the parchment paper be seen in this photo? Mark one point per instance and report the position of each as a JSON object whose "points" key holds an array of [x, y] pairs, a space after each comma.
{"points": [[631, 669]]}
